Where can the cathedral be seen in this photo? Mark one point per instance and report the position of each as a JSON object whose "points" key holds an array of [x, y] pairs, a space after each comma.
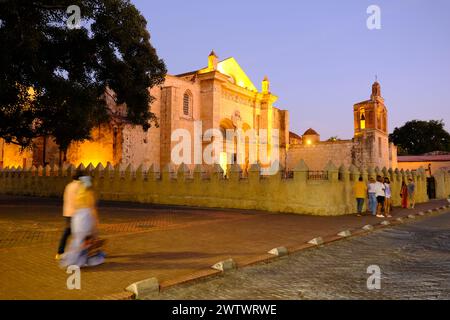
{"points": [[219, 96]]}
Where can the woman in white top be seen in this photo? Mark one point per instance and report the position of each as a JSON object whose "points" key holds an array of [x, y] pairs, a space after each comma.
{"points": [[388, 193]]}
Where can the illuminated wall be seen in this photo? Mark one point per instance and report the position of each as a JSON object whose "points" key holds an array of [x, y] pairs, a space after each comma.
{"points": [[99, 150], [12, 156]]}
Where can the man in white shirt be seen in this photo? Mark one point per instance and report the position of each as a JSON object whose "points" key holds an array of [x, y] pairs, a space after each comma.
{"points": [[380, 194]]}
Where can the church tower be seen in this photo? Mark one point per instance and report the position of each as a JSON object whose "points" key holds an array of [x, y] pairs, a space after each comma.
{"points": [[371, 115], [371, 131]]}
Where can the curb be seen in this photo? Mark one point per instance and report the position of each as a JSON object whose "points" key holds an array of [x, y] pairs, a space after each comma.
{"points": [[316, 241], [345, 233], [279, 252], [225, 265], [144, 287], [230, 264]]}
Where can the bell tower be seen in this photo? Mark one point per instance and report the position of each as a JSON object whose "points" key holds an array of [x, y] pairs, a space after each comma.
{"points": [[371, 114], [371, 131]]}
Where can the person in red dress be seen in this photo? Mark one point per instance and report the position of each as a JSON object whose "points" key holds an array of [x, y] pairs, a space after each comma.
{"points": [[404, 194]]}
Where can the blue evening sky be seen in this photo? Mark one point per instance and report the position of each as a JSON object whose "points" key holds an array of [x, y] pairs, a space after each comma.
{"points": [[318, 54]]}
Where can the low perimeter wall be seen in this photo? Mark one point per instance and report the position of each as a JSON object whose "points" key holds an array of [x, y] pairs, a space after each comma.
{"points": [[327, 192]]}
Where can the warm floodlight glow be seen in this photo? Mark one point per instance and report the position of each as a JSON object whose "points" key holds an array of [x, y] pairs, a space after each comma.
{"points": [[223, 162], [92, 152], [231, 68]]}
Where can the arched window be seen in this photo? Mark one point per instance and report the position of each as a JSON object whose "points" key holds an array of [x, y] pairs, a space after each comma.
{"points": [[362, 124], [187, 103]]}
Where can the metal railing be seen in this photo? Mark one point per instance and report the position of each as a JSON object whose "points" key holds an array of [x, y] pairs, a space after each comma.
{"points": [[317, 175]]}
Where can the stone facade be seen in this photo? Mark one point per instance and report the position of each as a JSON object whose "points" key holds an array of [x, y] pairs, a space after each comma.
{"points": [[219, 96], [318, 154]]}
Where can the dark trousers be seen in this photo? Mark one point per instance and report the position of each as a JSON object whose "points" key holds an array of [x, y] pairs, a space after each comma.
{"points": [[66, 234], [359, 204]]}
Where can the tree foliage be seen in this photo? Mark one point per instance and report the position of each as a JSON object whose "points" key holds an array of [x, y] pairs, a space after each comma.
{"points": [[53, 78], [418, 137], [333, 139]]}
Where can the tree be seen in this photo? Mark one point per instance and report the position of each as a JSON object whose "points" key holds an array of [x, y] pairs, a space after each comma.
{"points": [[53, 78], [333, 139], [419, 137]]}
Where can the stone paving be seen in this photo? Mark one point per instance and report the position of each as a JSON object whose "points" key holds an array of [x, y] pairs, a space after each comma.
{"points": [[170, 243], [414, 260]]}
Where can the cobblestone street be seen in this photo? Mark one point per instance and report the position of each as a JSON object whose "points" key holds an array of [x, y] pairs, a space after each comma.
{"points": [[414, 261]]}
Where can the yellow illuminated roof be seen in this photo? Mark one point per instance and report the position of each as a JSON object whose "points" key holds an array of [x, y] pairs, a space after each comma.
{"points": [[231, 68]]}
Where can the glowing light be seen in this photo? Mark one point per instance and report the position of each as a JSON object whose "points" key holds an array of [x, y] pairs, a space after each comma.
{"points": [[362, 123], [14, 157], [91, 152], [308, 142], [223, 162], [231, 68]]}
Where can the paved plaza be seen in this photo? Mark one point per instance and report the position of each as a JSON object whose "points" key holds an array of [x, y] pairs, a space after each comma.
{"points": [[172, 244]]}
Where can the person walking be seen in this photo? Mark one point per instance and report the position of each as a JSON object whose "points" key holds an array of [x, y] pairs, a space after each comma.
{"points": [[404, 194], [68, 210], [411, 193], [372, 196], [388, 196], [380, 195], [83, 250], [360, 191]]}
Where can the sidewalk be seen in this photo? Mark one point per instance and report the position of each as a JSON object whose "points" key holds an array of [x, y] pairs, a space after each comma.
{"points": [[172, 244]]}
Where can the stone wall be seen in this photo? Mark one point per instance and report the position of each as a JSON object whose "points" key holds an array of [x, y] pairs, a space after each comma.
{"points": [[330, 193], [442, 177], [371, 148], [318, 154], [435, 165], [99, 149]]}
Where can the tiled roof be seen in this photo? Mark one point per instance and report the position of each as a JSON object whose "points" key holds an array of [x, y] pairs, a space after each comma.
{"points": [[294, 135], [310, 131]]}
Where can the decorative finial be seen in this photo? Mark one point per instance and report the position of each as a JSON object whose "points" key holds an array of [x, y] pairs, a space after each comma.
{"points": [[265, 85], [212, 61]]}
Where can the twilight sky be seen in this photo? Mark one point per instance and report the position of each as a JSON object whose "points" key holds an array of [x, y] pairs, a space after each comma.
{"points": [[319, 55]]}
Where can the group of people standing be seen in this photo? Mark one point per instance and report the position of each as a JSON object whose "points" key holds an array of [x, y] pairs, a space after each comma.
{"points": [[379, 194], [81, 218]]}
